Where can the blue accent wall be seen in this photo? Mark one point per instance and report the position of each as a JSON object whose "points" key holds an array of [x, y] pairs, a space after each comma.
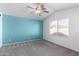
{"points": [[18, 29]]}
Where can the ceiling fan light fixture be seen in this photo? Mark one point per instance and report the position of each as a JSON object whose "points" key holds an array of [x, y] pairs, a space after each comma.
{"points": [[40, 9], [38, 12]]}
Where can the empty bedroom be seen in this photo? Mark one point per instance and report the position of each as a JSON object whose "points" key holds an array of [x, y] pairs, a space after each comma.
{"points": [[39, 29]]}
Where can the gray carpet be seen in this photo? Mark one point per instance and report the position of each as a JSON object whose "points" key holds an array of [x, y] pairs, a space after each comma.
{"points": [[36, 48]]}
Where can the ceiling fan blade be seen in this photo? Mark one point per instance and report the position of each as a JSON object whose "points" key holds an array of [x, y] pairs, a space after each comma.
{"points": [[44, 8], [46, 11], [30, 7]]}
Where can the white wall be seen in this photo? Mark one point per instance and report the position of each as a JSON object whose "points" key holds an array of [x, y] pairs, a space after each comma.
{"points": [[72, 41], [0, 29]]}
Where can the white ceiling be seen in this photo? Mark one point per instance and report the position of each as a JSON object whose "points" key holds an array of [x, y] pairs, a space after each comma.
{"points": [[20, 9]]}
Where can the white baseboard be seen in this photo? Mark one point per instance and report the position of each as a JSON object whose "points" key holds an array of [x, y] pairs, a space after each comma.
{"points": [[18, 42]]}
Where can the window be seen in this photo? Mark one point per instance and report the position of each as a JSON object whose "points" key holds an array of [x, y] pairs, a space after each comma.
{"points": [[63, 26], [53, 27], [60, 26]]}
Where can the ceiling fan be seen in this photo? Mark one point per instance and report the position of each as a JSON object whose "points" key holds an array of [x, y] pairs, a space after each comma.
{"points": [[39, 9]]}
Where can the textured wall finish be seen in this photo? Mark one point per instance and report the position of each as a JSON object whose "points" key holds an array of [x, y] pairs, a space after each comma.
{"points": [[18, 29]]}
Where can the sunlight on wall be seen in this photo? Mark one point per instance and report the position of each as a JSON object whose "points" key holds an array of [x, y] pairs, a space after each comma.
{"points": [[59, 26], [53, 27]]}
